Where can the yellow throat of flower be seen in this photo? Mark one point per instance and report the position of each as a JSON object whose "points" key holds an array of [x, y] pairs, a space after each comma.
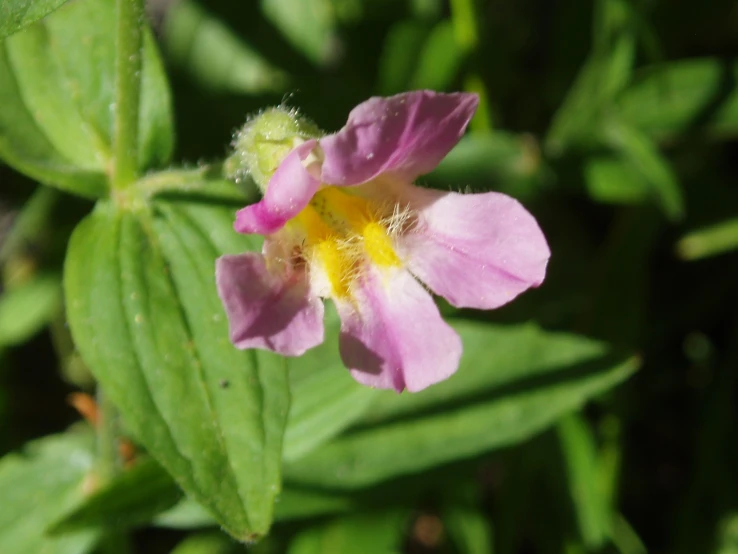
{"points": [[343, 232]]}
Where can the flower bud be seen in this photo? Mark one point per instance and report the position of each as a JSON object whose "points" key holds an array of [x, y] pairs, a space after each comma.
{"points": [[266, 139]]}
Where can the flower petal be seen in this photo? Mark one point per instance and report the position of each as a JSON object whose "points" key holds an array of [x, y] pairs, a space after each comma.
{"points": [[267, 311], [393, 336], [475, 250], [405, 135], [288, 192]]}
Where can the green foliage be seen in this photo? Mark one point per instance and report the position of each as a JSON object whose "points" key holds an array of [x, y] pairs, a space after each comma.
{"points": [[364, 533], [595, 415], [57, 88], [216, 57], [165, 339], [518, 399], [26, 309], [40, 485], [134, 498], [17, 14], [676, 97]]}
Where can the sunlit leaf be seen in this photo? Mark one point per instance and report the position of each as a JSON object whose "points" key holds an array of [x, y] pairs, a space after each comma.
{"points": [[17, 14], [512, 383], [56, 92], [325, 398], [142, 305]]}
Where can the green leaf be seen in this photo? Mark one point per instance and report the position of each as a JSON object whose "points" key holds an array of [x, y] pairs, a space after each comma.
{"points": [[214, 55], [27, 308], [440, 59], [513, 382], [675, 97], [613, 180], [710, 241], [640, 151], [307, 24], [605, 73], [17, 14], [40, 485], [580, 461], [186, 514], [207, 543], [499, 161], [133, 498], [400, 55], [469, 530], [365, 533], [145, 315], [291, 504], [30, 223], [325, 399], [56, 89], [416, 56]]}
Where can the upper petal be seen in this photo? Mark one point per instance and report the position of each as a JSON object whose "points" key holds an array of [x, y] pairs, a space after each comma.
{"points": [[267, 311], [288, 192], [476, 250], [393, 336], [406, 135]]}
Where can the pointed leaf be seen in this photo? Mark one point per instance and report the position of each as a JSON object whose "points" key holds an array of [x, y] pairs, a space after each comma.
{"points": [[145, 315], [512, 383]]}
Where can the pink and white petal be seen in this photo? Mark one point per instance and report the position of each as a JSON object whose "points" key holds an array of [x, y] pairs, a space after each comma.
{"points": [[289, 190], [267, 311], [393, 336], [475, 250], [404, 135]]}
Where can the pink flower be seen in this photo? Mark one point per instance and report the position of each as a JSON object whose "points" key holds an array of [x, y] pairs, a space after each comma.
{"points": [[342, 219]]}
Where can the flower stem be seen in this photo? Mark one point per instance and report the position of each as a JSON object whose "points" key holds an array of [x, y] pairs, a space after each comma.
{"points": [[130, 20]]}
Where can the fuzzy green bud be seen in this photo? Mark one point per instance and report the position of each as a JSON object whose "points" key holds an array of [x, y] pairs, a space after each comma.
{"points": [[266, 139]]}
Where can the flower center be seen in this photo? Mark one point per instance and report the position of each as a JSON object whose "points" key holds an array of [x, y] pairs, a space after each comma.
{"points": [[343, 232]]}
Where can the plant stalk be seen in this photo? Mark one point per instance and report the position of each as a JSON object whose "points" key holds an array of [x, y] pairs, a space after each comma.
{"points": [[130, 21]]}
